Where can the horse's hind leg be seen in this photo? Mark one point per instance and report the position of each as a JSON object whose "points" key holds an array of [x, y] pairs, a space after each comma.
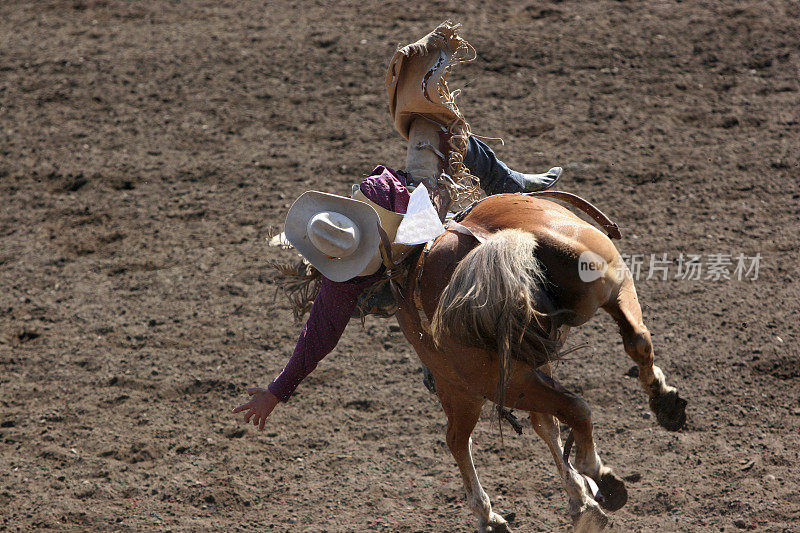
{"points": [[582, 508], [574, 412], [669, 408], [462, 415]]}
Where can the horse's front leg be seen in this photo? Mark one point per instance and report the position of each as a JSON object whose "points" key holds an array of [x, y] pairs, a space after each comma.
{"points": [[668, 406], [462, 414]]}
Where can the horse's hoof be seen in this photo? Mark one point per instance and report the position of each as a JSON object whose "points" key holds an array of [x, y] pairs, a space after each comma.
{"points": [[670, 410], [592, 519], [496, 524], [615, 495]]}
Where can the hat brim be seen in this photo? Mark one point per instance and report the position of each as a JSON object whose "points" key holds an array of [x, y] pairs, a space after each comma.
{"points": [[363, 215]]}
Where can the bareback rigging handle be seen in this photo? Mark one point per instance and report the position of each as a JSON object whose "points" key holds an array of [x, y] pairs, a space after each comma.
{"points": [[598, 216]]}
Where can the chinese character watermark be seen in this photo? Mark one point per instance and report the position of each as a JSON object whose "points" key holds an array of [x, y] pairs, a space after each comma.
{"points": [[683, 267]]}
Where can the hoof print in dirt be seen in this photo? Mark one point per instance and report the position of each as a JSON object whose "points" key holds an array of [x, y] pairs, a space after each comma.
{"points": [[24, 334], [670, 410]]}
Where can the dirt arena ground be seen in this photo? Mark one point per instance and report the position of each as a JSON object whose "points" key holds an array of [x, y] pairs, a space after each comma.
{"points": [[147, 147]]}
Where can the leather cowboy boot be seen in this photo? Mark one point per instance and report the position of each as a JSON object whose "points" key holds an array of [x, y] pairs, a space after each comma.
{"points": [[539, 182]]}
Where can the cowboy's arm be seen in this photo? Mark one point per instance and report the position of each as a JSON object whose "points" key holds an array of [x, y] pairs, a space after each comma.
{"points": [[329, 315], [496, 177]]}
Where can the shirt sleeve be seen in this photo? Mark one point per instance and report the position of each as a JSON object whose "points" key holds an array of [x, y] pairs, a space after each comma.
{"points": [[332, 308], [386, 188]]}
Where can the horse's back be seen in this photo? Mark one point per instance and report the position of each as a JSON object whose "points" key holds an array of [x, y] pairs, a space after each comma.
{"points": [[565, 244]]}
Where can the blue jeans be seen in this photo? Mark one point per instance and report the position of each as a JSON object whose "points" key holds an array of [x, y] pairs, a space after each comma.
{"points": [[496, 177]]}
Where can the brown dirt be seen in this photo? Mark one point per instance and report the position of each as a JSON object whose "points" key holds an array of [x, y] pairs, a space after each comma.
{"points": [[146, 147]]}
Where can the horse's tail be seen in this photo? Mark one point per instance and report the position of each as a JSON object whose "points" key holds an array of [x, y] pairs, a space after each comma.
{"points": [[490, 303]]}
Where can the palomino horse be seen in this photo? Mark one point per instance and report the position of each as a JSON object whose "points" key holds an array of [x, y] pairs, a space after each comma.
{"points": [[499, 312]]}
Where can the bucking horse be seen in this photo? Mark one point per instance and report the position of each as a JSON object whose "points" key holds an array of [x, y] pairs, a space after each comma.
{"points": [[501, 298]]}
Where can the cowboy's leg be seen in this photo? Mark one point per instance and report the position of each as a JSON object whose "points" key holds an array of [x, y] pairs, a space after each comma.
{"points": [[496, 177]]}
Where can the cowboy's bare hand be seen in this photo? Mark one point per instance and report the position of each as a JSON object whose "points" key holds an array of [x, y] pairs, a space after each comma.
{"points": [[259, 407]]}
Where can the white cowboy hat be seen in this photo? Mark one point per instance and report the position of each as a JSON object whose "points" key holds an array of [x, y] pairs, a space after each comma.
{"points": [[338, 235]]}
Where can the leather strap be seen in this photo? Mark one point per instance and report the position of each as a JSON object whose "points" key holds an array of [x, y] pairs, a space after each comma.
{"points": [[598, 216], [386, 248], [478, 233]]}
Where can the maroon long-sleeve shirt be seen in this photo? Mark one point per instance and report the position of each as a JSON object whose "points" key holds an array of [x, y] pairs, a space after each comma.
{"points": [[336, 301]]}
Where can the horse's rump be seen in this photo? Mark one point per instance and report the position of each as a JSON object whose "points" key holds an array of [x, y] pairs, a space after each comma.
{"points": [[493, 302]]}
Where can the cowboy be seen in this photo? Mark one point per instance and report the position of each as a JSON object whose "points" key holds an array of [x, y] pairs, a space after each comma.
{"points": [[339, 235]]}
